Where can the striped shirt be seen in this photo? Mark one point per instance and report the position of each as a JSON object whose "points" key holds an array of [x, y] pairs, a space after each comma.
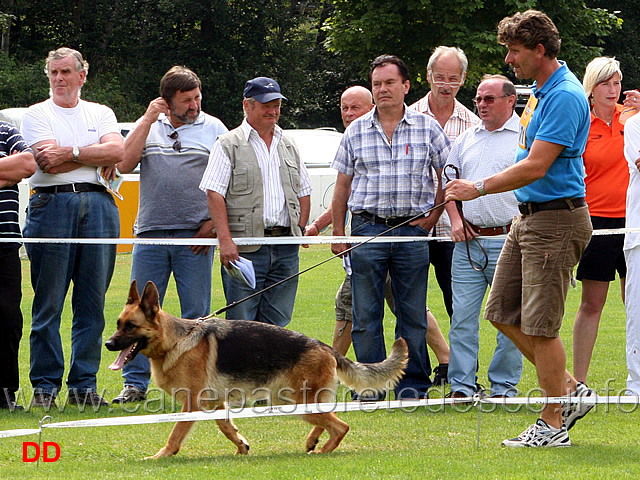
{"points": [[218, 175], [392, 179], [479, 153], [169, 195], [461, 119], [11, 141]]}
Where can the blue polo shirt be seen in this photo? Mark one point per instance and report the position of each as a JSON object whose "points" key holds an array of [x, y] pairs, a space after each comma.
{"points": [[561, 116]]}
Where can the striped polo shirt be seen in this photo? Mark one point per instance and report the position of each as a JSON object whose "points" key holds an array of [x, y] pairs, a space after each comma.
{"points": [[11, 141]]}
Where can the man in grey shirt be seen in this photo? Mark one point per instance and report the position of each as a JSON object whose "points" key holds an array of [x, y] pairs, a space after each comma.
{"points": [[171, 142]]}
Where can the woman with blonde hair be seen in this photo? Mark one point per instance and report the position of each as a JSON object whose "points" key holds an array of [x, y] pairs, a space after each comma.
{"points": [[607, 178]]}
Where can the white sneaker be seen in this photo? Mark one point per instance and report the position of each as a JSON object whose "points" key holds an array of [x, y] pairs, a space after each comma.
{"points": [[540, 434], [572, 412]]}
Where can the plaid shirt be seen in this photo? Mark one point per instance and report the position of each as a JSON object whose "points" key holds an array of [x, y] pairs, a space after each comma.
{"points": [[392, 179], [461, 119]]}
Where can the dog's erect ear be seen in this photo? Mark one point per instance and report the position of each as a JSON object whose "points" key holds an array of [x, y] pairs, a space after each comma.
{"points": [[150, 302], [133, 294]]}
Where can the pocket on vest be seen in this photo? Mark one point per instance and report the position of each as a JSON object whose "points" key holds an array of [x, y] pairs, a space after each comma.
{"points": [[293, 170], [239, 221], [241, 181]]}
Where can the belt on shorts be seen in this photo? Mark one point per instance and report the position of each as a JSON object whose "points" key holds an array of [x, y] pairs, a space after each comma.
{"points": [[389, 221], [490, 231], [277, 231], [71, 187], [529, 208]]}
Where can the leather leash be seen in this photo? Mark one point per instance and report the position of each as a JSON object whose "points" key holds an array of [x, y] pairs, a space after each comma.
{"points": [[231, 305], [468, 231]]}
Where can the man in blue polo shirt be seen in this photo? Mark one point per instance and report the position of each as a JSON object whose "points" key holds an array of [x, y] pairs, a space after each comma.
{"points": [[546, 240], [171, 142]]}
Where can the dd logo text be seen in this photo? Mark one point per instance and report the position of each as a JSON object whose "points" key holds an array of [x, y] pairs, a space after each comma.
{"points": [[50, 451]]}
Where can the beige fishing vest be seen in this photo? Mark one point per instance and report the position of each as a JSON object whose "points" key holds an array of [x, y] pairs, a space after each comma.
{"points": [[245, 196]]}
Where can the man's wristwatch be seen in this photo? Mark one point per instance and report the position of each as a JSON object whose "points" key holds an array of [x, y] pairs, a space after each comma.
{"points": [[479, 185], [303, 229], [75, 151]]}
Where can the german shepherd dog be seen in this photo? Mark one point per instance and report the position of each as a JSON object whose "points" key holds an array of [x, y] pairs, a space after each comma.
{"points": [[202, 361]]}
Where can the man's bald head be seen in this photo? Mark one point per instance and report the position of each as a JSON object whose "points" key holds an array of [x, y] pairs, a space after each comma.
{"points": [[355, 102]]}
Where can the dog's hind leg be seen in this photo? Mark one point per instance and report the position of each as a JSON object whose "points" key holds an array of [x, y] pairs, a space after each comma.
{"points": [[174, 442], [335, 427], [231, 432]]}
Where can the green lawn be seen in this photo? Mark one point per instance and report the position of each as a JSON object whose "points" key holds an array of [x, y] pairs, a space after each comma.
{"points": [[427, 443]]}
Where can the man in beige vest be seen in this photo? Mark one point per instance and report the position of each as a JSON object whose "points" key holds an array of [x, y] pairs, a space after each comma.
{"points": [[257, 186]]}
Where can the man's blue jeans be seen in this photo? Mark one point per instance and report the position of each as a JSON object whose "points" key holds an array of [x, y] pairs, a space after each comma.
{"points": [[469, 287], [271, 263], [192, 274], [53, 267], [408, 265]]}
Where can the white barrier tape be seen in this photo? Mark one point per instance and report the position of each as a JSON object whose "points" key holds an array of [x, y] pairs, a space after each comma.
{"points": [[306, 409], [315, 240], [19, 433], [213, 241]]}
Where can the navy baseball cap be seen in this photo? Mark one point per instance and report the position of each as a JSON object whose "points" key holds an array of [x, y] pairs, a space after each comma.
{"points": [[263, 89]]}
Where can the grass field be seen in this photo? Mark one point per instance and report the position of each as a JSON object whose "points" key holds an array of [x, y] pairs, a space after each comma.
{"points": [[426, 443]]}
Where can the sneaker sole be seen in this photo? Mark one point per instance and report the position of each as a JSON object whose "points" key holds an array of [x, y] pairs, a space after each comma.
{"points": [[572, 419], [514, 444]]}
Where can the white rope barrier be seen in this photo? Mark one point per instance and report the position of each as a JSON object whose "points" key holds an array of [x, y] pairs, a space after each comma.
{"points": [[315, 240], [306, 409]]}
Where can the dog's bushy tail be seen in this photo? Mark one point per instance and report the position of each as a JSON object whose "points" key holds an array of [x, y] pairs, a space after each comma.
{"points": [[375, 376]]}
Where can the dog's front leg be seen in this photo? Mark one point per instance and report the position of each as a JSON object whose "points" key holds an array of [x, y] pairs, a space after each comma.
{"points": [[231, 432], [178, 434]]}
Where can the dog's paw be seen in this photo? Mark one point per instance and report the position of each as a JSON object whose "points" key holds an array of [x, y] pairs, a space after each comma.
{"points": [[311, 445], [243, 449], [163, 452]]}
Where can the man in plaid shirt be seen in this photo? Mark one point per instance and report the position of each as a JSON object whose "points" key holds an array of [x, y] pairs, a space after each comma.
{"points": [[386, 163]]}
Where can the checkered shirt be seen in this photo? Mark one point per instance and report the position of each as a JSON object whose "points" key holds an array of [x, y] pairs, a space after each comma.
{"points": [[461, 119], [392, 179]]}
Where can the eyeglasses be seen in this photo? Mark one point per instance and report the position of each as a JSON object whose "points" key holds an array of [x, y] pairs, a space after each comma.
{"points": [[440, 83], [489, 99], [176, 145]]}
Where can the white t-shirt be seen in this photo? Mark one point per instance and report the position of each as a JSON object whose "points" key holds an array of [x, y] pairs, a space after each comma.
{"points": [[631, 153], [85, 124]]}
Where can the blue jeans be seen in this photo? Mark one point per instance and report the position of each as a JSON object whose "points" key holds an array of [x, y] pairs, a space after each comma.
{"points": [[53, 267], [408, 266], [271, 263], [192, 274], [469, 288]]}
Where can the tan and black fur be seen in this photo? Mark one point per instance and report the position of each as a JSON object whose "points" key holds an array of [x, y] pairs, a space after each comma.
{"points": [[206, 363]]}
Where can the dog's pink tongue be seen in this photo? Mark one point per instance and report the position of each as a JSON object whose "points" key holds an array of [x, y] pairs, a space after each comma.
{"points": [[118, 363]]}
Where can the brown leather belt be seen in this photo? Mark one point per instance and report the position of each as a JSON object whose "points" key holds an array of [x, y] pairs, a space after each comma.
{"points": [[71, 187], [490, 231], [529, 208], [277, 231]]}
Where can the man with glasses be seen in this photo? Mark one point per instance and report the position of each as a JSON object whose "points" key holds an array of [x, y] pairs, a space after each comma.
{"points": [[171, 142], [257, 186], [546, 240], [446, 73], [480, 151]]}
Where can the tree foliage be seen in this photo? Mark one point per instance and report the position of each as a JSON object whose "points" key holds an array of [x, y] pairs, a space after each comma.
{"points": [[411, 29], [314, 49]]}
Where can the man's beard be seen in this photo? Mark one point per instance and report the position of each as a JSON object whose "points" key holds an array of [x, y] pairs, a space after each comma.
{"points": [[186, 118]]}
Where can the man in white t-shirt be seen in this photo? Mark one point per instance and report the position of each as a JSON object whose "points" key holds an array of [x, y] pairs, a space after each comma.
{"points": [[71, 139]]}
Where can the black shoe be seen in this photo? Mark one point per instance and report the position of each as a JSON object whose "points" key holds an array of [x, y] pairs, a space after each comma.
{"points": [[368, 396], [43, 399], [11, 405], [440, 375], [130, 394], [88, 397]]}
